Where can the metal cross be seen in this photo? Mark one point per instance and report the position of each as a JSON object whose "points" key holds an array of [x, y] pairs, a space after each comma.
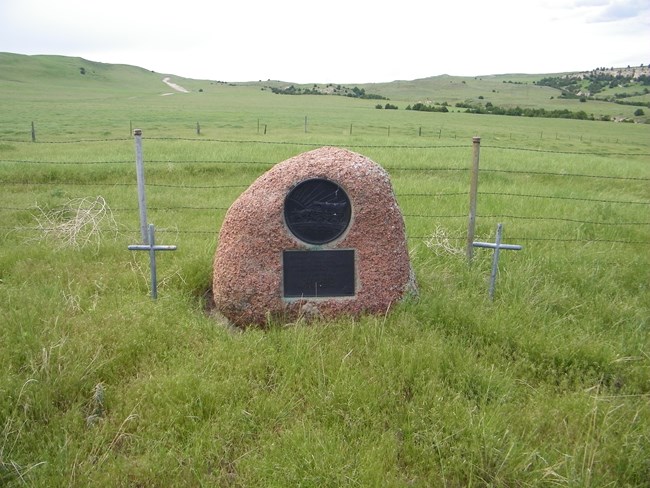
{"points": [[497, 246], [152, 248]]}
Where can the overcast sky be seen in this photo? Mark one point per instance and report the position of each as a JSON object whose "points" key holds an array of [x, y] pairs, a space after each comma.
{"points": [[341, 41]]}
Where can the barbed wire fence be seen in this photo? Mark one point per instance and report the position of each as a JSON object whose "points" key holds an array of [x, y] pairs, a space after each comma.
{"points": [[404, 197], [423, 130]]}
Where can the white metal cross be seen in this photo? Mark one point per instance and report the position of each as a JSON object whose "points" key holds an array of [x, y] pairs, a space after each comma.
{"points": [[497, 246], [152, 248]]}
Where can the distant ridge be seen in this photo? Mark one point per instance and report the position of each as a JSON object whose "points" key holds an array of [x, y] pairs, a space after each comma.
{"points": [[598, 94], [7, 59]]}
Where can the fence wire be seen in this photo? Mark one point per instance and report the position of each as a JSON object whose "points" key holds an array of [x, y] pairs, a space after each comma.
{"points": [[405, 196], [321, 144]]}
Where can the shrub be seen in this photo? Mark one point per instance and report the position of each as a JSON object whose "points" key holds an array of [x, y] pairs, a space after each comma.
{"points": [[428, 108]]}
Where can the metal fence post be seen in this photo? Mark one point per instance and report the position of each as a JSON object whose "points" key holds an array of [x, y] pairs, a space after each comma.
{"points": [[473, 193], [142, 200]]}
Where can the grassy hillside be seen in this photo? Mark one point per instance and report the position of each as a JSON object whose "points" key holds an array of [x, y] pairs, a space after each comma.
{"points": [[48, 80], [41, 77], [547, 385]]}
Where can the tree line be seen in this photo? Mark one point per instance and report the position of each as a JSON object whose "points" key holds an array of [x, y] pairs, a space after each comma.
{"points": [[338, 90]]}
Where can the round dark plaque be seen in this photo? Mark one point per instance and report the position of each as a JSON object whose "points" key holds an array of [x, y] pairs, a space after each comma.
{"points": [[317, 211]]}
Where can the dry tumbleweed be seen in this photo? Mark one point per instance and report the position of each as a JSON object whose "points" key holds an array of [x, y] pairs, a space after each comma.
{"points": [[80, 222], [440, 243]]}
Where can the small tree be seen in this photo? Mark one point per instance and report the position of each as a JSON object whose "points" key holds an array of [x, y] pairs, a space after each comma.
{"points": [[639, 112]]}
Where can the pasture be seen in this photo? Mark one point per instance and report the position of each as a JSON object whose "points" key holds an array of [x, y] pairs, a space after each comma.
{"points": [[549, 384]]}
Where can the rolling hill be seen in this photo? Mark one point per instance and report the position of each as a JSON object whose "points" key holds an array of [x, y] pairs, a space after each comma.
{"points": [[43, 77]]}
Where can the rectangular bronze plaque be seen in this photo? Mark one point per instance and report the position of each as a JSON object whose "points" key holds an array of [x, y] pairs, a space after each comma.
{"points": [[327, 273]]}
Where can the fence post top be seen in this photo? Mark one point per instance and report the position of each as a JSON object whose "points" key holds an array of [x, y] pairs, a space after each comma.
{"points": [[137, 132], [476, 139]]}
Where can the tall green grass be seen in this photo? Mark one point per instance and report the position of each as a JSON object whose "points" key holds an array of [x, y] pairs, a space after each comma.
{"points": [[100, 385]]}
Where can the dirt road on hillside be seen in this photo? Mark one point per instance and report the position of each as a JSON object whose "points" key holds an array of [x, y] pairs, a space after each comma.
{"points": [[174, 86]]}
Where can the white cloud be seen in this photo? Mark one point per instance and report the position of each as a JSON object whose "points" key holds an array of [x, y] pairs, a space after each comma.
{"points": [[614, 11], [339, 40]]}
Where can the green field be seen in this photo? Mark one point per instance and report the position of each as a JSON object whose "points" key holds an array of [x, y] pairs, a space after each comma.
{"points": [[547, 385]]}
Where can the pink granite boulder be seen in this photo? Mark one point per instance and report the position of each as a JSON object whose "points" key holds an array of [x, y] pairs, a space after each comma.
{"points": [[248, 279]]}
